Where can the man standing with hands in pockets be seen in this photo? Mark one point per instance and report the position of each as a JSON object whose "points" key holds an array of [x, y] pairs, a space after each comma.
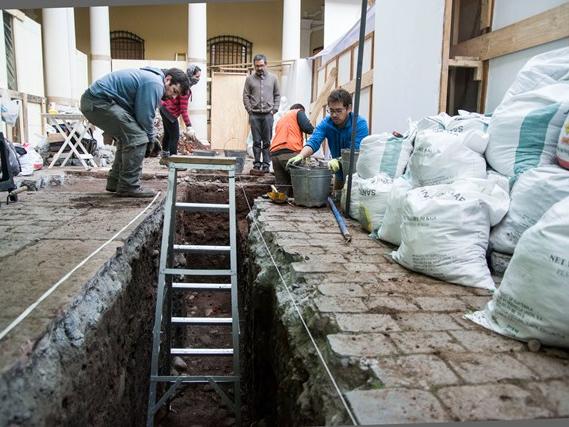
{"points": [[261, 99]]}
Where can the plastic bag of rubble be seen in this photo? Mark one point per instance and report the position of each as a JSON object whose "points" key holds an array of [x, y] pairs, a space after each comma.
{"points": [[438, 122], [563, 145], [445, 230], [525, 127], [373, 194], [385, 153], [532, 195], [10, 110], [532, 300], [473, 127], [442, 157], [390, 230]]}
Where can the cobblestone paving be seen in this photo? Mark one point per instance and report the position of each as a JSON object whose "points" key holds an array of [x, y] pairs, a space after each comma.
{"points": [[424, 362]]}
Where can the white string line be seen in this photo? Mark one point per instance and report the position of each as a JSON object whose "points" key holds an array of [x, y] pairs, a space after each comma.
{"points": [[301, 318], [32, 307]]}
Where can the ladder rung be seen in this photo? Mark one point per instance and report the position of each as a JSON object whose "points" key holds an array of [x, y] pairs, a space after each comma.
{"points": [[195, 378], [193, 272], [202, 207], [201, 320], [209, 286], [202, 248], [201, 351], [86, 156]]}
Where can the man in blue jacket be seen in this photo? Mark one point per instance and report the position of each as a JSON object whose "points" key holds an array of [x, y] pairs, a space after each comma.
{"points": [[337, 129], [123, 104]]}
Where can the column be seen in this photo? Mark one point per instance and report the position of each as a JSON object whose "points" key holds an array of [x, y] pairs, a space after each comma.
{"points": [[197, 54], [339, 17], [72, 52], [291, 30], [56, 55], [100, 42]]}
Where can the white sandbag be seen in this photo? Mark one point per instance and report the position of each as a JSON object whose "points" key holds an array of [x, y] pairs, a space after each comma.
{"points": [[385, 153], [354, 197], [532, 195], [390, 230], [563, 145], [438, 122], [440, 157], [373, 196], [445, 229], [467, 121], [533, 299], [524, 128]]}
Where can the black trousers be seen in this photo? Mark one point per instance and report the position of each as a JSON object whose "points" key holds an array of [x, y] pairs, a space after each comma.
{"points": [[262, 132], [171, 134]]}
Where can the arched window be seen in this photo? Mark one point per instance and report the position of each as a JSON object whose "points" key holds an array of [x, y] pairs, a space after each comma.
{"points": [[229, 50], [126, 45]]}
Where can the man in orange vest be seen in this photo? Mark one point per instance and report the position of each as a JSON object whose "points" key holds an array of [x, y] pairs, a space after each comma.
{"points": [[287, 143]]}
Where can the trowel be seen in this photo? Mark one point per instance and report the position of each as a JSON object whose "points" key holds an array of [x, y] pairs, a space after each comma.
{"points": [[276, 196]]}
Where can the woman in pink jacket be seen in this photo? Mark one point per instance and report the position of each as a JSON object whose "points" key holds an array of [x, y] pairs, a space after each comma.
{"points": [[171, 109]]}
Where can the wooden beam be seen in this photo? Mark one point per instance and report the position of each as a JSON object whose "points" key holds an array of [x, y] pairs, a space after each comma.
{"points": [[443, 90], [462, 62], [367, 80], [534, 31], [320, 102]]}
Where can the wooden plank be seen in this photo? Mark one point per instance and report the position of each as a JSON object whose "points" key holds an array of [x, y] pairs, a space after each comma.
{"points": [[202, 160], [486, 15], [534, 31], [25, 119], [468, 63], [229, 119], [443, 92], [367, 80], [321, 100]]}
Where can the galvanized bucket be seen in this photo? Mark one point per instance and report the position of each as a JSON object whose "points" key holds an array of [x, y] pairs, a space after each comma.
{"points": [[311, 186]]}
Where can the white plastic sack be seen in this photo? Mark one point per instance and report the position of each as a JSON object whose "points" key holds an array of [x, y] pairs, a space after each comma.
{"points": [[524, 129], [373, 196], [445, 230], [10, 109], [390, 230], [466, 121], [441, 157], [385, 153], [354, 196], [438, 122], [563, 145], [532, 195], [533, 299]]}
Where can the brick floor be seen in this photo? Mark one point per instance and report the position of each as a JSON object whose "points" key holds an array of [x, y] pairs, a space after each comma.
{"points": [[421, 360]]}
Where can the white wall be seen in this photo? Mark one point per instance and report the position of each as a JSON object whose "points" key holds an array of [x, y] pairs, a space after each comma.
{"points": [[339, 17], [503, 70], [121, 64], [407, 69]]}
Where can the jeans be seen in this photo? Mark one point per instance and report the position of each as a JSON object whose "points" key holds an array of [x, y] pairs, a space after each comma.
{"points": [[262, 132], [171, 134]]}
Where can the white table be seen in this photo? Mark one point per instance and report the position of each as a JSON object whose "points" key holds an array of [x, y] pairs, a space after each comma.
{"points": [[73, 122]]}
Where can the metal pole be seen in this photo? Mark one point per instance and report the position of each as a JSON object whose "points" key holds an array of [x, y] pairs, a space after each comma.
{"points": [[356, 106]]}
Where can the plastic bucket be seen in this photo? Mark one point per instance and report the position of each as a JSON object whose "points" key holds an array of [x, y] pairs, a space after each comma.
{"points": [[311, 186], [240, 159]]}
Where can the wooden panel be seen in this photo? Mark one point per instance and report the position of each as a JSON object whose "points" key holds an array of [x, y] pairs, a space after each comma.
{"points": [[344, 68], [367, 61], [445, 55], [534, 31], [365, 100], [229, 120], [367, 80]]}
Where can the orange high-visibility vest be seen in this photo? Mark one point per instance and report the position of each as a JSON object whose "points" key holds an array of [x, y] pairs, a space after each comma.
{"points": [[287, 133]]}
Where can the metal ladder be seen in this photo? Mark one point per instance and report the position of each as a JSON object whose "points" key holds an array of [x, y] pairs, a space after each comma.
{"points": [[166, 284]]}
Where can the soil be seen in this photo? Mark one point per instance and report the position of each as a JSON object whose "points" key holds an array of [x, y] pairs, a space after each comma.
{"points": [[200, 405]]}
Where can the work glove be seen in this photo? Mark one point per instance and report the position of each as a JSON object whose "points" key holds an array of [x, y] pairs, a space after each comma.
{"points": [[334, 165], [190, 132], [294, 161]]}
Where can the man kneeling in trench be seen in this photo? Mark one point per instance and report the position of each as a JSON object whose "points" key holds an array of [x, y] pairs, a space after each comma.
{"points": [[123, 104]]}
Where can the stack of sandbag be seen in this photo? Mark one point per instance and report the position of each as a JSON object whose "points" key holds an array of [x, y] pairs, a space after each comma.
{"points": [[390, 230], [368, 200], [534, 192], [563, 145], [533, 299], [445, 230], [385, 153], [525, 127]]}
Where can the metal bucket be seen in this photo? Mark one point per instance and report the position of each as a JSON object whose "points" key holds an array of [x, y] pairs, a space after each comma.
{"points": [[311, 186], [345, 161], [239, 158]]}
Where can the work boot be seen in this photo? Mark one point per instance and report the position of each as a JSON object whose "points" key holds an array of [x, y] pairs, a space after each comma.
{"points": [[140, 192]]}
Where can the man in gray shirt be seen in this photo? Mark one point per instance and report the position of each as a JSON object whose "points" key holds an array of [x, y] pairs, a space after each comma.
{"points": [[261, 99]]}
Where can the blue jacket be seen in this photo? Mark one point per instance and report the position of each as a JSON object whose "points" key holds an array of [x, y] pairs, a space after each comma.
{"points": [[138, 91], [338, 138]]}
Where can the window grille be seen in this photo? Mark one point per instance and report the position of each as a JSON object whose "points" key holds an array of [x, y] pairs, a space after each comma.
{"points": [[10, 51], [229, 50], [126, 45]]}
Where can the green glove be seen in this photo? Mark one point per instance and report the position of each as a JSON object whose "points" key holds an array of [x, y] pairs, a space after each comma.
{"points": [[334, 165], [294, 161]]}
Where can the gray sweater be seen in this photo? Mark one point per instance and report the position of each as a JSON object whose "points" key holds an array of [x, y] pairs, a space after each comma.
{"points": [[261, 94]]}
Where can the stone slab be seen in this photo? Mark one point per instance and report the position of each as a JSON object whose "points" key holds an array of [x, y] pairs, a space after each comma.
{"points": [[361, 345]]}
